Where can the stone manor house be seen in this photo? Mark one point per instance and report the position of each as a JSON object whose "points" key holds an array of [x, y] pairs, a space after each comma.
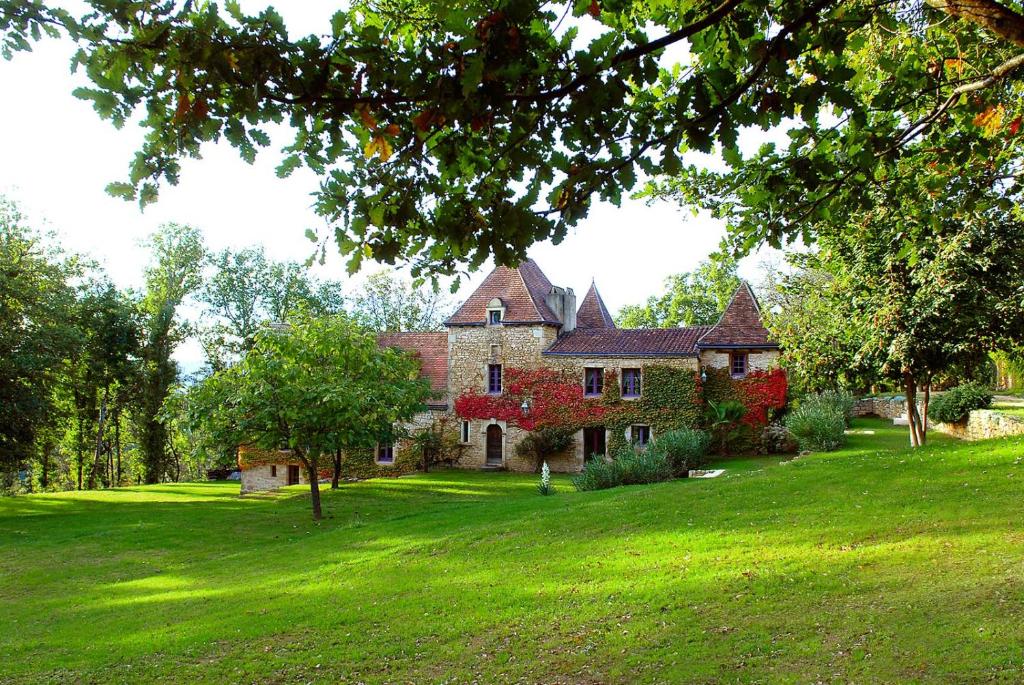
{"points": [[518, 319]]}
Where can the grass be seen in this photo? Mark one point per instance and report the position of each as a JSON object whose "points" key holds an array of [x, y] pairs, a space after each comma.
{"points": [[872, 564], [1011, 408]]}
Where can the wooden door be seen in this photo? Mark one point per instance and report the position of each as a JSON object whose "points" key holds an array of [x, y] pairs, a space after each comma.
{"points": [[494, 451], [293, 474], [593, 442]]}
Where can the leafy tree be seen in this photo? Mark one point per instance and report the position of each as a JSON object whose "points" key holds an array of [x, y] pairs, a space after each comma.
{"points": [[387, 303], [447, 132], [101, 372], [316, 386], [950, 295], [246, 290], [691, 299], [36, 301], [173, 274]]}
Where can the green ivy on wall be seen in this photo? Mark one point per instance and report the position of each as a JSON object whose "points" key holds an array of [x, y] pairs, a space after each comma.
{"points": [[671, 399]]}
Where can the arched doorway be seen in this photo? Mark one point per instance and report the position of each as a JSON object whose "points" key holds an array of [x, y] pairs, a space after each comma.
{"points": [[494, 445]]}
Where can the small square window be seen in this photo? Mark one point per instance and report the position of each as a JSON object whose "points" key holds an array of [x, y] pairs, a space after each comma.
{"points": [[273, 471], [738, 364], [494, 316], [494, 379], [385, 453], [593, 382], [631, 382], [640, 435], [465, 431]]}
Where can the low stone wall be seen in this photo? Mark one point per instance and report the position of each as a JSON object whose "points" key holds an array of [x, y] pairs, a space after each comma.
{"points": [[982, 424], [882, 407]]}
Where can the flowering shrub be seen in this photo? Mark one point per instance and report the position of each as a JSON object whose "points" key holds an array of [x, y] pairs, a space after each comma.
{"points": [[545, 487]]}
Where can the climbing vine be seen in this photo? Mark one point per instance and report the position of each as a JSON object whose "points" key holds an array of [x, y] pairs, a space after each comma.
{"points": [[672, 398]]}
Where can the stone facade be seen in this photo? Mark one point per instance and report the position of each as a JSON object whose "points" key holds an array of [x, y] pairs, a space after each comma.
{"points": [[259, 477], [518, 319], [757, 360]]}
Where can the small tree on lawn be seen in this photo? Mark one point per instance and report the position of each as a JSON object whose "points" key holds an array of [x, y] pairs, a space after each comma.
{"points": [[318, 386]]}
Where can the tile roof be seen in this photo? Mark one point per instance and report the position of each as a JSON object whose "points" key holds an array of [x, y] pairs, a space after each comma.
{"points": [[592, 312], [432, 350], [521, 290], [652, 342], [740, 324]]}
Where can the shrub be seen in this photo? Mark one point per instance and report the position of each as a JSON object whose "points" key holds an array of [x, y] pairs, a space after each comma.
{"points": [[775, 438], [837, 400], [629, 467], [955, 404], [684, 449], [817, 427], [543, 443], [724, 420]]}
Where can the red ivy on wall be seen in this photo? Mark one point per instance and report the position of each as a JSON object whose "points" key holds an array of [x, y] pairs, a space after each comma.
{"points": [[554, 401], [761, 391]]}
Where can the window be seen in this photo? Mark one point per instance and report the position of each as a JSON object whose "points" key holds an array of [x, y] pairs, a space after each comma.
{"points": [[738, 364], [593, 382], [385, 453], [273, 471], [493, 317], [494, 379], [593, 442], [640, 435], [465, 431], [631, 382]]}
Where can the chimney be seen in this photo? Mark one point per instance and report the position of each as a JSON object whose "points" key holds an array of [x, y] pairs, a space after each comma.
{"points": [[562, 301]]}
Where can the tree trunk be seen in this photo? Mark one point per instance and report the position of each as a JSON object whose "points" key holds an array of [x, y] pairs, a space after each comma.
{"points": [[100, 424], [337, 470], [910, 387], [80, 450], [313, 474], [117, 444], [43, 478], [924, 413]]}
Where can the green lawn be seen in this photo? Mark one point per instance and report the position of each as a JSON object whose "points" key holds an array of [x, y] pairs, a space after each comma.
{"points": [[1011, 408], [873, 564]]}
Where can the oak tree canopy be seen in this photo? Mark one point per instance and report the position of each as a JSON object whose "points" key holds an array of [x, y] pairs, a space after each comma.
{"points": [[448, 131]]}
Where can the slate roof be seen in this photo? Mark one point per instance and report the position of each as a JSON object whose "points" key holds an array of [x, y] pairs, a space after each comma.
{"points": [[592, 312], [648, 342], [432, 351], [740, 324], [521, 290]]}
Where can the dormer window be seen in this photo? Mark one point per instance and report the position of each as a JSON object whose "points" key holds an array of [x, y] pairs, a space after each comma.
{"points": [[495, 312]]}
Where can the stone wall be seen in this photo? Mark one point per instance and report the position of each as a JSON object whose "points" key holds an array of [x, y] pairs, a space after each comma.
{"points": [[982, 424], [757, 360], [882, 407]]}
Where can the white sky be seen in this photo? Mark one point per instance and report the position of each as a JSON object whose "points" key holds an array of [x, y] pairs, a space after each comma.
{"points": [[57, 156]]}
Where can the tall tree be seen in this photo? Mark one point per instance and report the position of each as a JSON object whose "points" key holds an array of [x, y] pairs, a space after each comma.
{"points": [[446, 132], [246, 290], [388, 303], [317, 386], [36, 301], [951, 294], [691, 299], [173, 274]]}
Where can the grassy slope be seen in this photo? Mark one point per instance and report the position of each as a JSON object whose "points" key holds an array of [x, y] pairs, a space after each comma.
{"points": [[872, 564]]}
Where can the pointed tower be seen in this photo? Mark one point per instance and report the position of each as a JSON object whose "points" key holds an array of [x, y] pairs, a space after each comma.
{"points": [[740, 324], [592, 312]]}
